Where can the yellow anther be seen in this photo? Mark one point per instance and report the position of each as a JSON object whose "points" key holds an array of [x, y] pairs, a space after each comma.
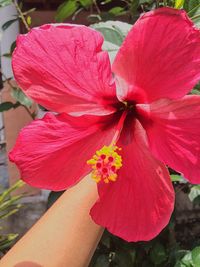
{"points": [[105, 164]]}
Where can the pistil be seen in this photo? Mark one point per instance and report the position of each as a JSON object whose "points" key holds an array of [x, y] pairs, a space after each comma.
{"points": [[106, 162]]}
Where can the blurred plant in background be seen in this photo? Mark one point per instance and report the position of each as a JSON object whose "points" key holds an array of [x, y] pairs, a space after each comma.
{"points": [[20, 98], [178, 245], [129, 8], [9, 204]]}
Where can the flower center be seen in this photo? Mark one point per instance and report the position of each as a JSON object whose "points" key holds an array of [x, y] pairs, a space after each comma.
{"points": [[105, 164]]}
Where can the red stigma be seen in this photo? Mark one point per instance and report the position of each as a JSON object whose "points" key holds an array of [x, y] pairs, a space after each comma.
{"points": [[103, 156]]}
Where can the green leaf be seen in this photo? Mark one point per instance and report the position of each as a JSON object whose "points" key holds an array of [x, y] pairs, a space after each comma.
{"points": [[6, 106], [177, 178], [5, 2], [105, 2], [179, 254], [179, 4], [9, 55], [7, 240], [196, 201], [195, 92], [134, 6], [8, 23], [117, 11], [21, 97], [192, 7], [114, 33], [187, 260], [65, 10], [196, 256], [194, 192], [158, 254], [86, 3], [12, 47], [7, 192]]}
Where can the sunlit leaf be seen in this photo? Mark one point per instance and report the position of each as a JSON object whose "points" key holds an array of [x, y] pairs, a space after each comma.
{"points": [[177, 178], [65, 10], [179, 4], [21, 97], [116, 11], [187, 260], [28, 20], [105, 2], [196, 256], [194, 192], [86, 3]]}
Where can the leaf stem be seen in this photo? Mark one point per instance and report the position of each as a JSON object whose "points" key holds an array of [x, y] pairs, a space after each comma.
{"points": [[21, 15], [195, 17], [13, 87], [97, 7], [193, 9]]}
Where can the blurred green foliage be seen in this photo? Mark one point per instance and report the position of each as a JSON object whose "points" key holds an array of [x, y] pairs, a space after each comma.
{"points": [[130, 9], [9, 204]]}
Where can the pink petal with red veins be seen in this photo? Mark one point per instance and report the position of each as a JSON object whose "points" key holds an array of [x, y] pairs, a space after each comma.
{"points": [[51, 153], [64, 69], [139, 204], [173, 129], [160, 57]]}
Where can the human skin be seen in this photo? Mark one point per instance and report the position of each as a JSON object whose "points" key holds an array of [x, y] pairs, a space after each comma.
{"points": [[64, 236]]}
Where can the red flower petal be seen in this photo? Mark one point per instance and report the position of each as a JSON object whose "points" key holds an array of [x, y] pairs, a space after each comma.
{"points": [[174, 134], [64, 69], [160, 58], [51, 153], [139, 204]]}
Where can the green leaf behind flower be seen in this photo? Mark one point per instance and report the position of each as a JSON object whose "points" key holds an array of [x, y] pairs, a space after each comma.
{"points": [[114, 33], [21, 97], [5, 3], [65, 10]]}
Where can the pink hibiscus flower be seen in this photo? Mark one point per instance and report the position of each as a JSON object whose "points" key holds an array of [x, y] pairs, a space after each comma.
{"points": [[121, 129]]}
